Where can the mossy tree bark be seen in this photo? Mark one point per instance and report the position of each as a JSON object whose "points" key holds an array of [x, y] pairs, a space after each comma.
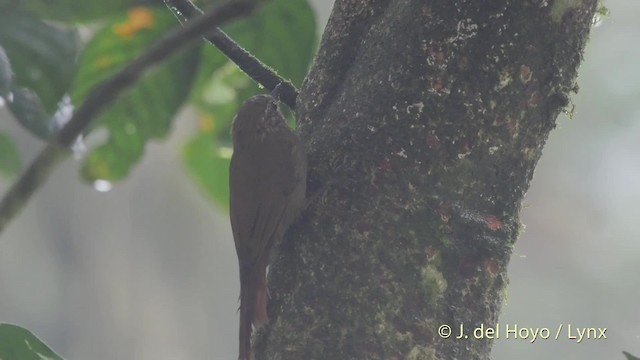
{"points": [[429, 117]]}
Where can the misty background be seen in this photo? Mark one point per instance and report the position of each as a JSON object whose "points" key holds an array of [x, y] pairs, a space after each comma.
{"points": [[148, 270]]}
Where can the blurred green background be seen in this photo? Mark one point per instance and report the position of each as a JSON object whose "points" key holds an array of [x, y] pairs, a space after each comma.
{"points": [[148, 269]]}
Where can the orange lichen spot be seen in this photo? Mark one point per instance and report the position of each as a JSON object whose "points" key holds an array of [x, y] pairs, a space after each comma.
{"points": [[385, 165], [525, 74], [533, 100], [493, 223], [512, 125], [433, 141], [431, 253], [444, 214], [206, 123], [491, 266], [138, 18], [437, 85]]}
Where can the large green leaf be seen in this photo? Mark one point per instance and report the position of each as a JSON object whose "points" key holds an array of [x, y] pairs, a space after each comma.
{"points": [[25, 104], [10, 163], [42, 55], [30, 113], [144, 112], [282, 34], [208, 165], [17, 343]]}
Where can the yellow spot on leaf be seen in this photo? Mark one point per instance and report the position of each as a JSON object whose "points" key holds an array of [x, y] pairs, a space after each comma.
{"points": [[103, 62], [138, 18], [100, 170], [206, 123], [124, 30]]}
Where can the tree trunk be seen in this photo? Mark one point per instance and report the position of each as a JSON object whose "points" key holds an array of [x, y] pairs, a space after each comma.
{"points": [[427, 117]]}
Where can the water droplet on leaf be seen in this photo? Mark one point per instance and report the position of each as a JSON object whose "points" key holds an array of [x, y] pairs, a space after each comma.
{"points": [[102, 185]]}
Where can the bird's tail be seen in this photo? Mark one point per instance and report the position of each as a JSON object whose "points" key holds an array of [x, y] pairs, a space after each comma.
{"points": [[253, 306]]}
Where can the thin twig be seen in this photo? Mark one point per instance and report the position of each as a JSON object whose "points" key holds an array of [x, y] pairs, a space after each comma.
{"points": [[254, 68], [103, 95]]}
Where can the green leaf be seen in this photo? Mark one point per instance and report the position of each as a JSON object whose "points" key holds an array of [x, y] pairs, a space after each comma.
{"points": [[282, 34], [208, 165], [146, 110], [81, 11], [629, 356], [223, 94], [10, 163], [17, 343], [30, 113], [42, 55]]}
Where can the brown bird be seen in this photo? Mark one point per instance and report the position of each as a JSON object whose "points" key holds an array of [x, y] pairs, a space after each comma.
{"points": [[267, 184]]}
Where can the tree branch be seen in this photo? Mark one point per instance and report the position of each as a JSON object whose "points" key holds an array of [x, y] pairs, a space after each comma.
{"points": [[103, 95], [254, 68]]}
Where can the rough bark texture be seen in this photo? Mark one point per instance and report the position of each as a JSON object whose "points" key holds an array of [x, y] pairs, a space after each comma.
{"points": [[429, 116]]}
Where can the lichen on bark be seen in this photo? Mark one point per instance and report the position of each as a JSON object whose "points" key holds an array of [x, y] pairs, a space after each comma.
{"points": [[427, 118]]}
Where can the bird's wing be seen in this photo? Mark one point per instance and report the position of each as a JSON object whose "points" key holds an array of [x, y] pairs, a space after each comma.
{"points": [[258, 202]]}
